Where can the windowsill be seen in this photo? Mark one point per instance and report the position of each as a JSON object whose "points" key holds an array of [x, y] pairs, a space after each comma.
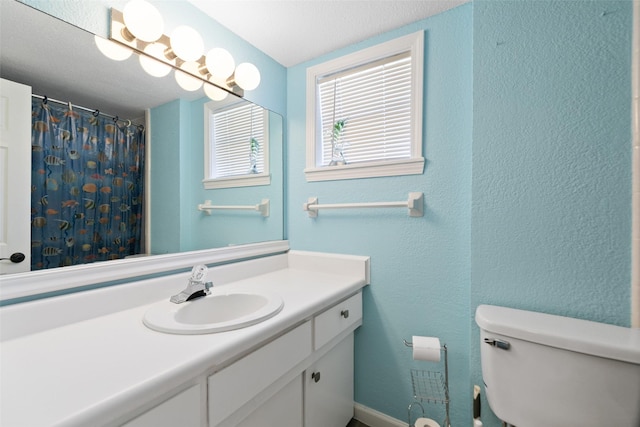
{"points": [[414, 166], [238, 181]]}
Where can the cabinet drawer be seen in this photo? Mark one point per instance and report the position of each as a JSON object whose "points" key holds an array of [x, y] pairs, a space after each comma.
{"points": [[235, 385], [338, 318]]}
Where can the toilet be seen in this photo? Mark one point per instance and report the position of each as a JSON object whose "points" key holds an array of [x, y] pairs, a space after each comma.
{"points": [[552, 371]]}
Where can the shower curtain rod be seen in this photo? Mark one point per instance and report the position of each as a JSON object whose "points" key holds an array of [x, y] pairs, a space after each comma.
{"points": [[95, 112]]}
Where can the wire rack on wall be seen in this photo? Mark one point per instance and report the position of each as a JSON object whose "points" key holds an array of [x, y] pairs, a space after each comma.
{"points": [[429, 386]]}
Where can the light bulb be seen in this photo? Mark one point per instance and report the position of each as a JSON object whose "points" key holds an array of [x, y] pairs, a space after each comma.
{"points": [[112, 50], [214, 92], [152, 66], [143, 20], [247, 76], [220, 63], [186, 80], [186, 43]]}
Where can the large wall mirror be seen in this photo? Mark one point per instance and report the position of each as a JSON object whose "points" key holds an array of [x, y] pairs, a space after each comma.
{"points": [[63, 62]]}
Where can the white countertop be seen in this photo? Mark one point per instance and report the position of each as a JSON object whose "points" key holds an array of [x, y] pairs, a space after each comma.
{"points": [[91, 372]]}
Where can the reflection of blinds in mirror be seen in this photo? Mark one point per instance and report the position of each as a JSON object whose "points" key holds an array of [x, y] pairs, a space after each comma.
{"points": [[233, 130], [375, 101]]}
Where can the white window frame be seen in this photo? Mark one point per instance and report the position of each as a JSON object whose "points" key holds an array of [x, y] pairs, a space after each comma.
{"points": [[411, 166], [248, 180]]}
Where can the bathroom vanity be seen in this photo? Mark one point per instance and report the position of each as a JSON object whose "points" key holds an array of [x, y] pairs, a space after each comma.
{"points": [[109, 369]]}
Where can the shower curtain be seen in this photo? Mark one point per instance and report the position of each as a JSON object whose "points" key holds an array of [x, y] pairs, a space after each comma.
{"points": [[86, 186]]}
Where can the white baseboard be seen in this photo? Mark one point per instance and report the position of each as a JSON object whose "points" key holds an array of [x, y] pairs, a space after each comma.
{"points": [[373, 418]]}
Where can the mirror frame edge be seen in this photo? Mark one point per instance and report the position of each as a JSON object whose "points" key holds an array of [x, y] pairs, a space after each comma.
{"points": [[66, 279]]}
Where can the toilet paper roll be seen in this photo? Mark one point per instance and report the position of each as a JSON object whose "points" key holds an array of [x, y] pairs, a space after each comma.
{"points": [[426, 348], [426, 422]]}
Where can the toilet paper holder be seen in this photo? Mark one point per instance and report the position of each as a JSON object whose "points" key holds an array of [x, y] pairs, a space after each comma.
{"points": [[430, 386], [410, 344]]}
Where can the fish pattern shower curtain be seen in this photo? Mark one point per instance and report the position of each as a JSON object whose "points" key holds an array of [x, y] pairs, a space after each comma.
{"points": [[86, 187]]}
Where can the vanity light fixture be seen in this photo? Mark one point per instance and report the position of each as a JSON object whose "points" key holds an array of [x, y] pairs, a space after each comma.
{"points": [[186, 44], [213, 91], [140, 27], [219, 63], [151, 62], [111, 49], [142, 21], [246, 76], [186, 78]]}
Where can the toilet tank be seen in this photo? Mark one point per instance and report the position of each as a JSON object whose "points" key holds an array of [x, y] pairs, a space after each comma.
{"points": [[545, 370]]}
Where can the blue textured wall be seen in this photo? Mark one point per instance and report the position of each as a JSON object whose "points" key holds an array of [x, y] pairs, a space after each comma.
{"points": [[419, 266], [166, 175], [551, 160], [551, 157]]}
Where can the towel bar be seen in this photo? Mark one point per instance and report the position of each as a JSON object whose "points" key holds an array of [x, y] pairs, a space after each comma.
{"points": [[262, 207], [414, 204]]}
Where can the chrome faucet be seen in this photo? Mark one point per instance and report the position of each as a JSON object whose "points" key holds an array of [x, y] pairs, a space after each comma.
{"points": [[196, 288]]}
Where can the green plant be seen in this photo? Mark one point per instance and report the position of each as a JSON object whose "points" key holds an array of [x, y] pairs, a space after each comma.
{"points": [[255, 146], [337, 144], [338, 128], [253, 156]]}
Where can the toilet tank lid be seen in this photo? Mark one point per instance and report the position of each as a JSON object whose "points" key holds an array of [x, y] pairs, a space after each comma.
{"points": [[583, 336]]}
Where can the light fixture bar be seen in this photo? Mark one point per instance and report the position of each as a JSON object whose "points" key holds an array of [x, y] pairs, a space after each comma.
{"points": [[120, 34]]}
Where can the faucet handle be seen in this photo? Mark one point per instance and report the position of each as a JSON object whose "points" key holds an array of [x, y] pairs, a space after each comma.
{"points": [[198, 272], [196, 288]]}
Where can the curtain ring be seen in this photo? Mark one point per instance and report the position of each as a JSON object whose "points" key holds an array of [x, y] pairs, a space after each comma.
{"points": [[115, 119], [128, 123], [45, 100], [95, 113]]}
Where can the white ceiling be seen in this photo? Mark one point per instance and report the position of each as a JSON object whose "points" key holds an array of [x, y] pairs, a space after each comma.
{"points": [[294, 31]]}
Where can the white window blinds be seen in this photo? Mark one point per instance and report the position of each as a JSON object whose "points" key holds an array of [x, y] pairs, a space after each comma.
{"points": [[375, 101], [233, 132]]}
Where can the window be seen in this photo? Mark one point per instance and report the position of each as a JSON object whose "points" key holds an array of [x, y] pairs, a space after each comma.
{"points": [[236, 145], [364, 113]]}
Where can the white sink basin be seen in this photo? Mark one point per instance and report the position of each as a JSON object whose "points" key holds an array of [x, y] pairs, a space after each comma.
{"points": [[217, 312]]}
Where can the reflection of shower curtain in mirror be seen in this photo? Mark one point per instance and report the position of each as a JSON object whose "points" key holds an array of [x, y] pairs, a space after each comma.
{"points": [[86, 187]]}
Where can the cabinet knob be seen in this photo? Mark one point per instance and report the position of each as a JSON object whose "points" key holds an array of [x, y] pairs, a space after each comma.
{"points": [[345, 314], [315, 376]]}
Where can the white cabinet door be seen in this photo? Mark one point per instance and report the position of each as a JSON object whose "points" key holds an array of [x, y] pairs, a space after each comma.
{"points": [[284, 409], [15, 175], [329, 388], [233, 388], [181, 410]]}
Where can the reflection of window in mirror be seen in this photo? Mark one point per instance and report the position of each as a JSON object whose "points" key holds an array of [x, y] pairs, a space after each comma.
{"points": [[236, 146]]}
